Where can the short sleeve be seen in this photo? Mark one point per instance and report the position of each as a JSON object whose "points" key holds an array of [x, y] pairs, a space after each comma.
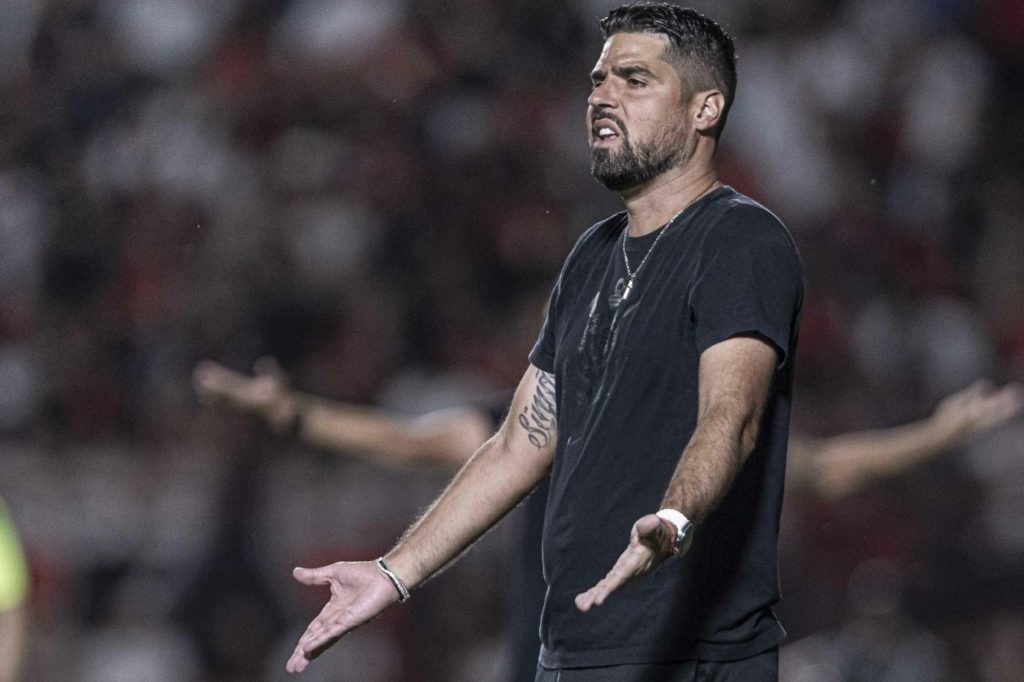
{"points": [[543, 354], [748, 281]]}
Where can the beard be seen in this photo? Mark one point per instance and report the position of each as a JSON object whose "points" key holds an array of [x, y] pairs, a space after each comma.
{"points": [[631, 166]]}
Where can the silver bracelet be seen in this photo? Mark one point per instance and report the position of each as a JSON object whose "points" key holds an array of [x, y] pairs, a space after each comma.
{"points": [[403, 592]]}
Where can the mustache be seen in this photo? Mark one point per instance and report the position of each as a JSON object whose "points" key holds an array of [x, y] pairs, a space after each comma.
{"points": [[600, 113]]}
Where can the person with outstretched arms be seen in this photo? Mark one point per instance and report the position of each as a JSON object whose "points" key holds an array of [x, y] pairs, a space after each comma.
{"points": [[657, 396]]}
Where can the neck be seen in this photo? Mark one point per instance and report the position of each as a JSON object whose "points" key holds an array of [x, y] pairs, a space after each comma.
{"points": [[657, 201]]}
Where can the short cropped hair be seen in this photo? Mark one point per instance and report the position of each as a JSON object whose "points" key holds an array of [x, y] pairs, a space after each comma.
{"points": [[702, 53]]}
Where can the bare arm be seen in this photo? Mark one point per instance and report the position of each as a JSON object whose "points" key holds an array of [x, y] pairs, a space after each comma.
{"points": [[734, 376], [445, 437], [734, 379], [493, 481], [839, 466]]}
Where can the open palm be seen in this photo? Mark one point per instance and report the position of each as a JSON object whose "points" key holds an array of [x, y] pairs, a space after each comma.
{"points": [[359, 593]]}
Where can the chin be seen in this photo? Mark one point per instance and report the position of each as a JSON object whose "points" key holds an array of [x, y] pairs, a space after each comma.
{"points": [[617, 182]]}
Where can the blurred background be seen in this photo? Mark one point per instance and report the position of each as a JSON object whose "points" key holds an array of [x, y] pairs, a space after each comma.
{"points": [[380, 193]]}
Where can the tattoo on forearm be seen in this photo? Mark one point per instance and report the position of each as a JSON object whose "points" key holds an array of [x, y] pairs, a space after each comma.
{"points": [[538, 417]]}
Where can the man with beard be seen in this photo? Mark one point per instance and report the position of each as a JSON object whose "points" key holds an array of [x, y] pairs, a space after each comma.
{"points": [[658, 397]]}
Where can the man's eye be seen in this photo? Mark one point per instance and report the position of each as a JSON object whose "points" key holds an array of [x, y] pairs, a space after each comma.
{"points": [[636, 83]]}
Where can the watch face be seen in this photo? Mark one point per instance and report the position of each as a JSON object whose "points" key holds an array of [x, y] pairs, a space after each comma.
{"points": [[684, 539]]}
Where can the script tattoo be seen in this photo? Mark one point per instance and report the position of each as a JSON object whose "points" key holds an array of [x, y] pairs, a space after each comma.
{"points": [[538, 418]]}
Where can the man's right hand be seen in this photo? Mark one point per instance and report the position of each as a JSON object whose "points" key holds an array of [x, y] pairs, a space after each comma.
{"points": [[359, 593], [265, 394]]}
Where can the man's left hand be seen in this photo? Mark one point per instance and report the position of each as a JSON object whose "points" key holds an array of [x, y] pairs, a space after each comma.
{"points": [[650, 543]]}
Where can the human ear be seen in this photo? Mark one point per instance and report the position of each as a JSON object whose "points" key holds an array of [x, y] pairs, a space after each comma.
{"points": [[710, 105]]}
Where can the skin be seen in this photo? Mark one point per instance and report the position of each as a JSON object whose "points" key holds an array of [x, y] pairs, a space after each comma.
{"points": [[640, 95]]}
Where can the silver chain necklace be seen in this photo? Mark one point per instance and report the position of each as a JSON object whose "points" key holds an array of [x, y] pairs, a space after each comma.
{"points": [[629, 271], [632, 275]]}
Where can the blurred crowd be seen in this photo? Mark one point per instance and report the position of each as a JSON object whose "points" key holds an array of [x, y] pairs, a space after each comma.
{"points": [[379, 193]]}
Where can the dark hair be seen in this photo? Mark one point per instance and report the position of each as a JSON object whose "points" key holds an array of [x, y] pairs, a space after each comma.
{"points": [[700, 50]]}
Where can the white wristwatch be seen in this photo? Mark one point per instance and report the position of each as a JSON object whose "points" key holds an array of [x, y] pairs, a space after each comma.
{"points": [[684, 530]]}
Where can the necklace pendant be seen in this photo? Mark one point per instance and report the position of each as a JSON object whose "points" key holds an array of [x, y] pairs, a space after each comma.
{"points": [[629, 288]]}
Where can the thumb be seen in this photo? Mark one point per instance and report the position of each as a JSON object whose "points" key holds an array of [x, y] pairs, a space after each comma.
{"points": [[312, 576], [652, 531]]}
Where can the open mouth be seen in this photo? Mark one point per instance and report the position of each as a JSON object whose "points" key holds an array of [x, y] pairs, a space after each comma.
{"points": [[604, 130]]}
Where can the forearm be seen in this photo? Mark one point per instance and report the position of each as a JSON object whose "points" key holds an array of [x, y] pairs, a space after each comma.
{"points": [[495, 479], [842, 464], [734, 379], [489, 486], [709, 464], [447, 437]]}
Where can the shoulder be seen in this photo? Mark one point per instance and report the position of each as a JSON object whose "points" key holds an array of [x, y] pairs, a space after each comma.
{"points": [[744, 220], [601, 232], [595, 239]]}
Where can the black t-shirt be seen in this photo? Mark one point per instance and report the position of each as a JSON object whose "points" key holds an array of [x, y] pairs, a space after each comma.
{"points": [[626, 390], [526, 596]]}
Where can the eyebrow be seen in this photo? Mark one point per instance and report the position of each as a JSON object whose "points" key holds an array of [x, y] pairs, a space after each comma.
{"points": [[624, 72]]}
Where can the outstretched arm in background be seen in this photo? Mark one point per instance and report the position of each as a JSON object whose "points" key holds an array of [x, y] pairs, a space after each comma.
{"points": [[442, 438], [834, 467], [495, 479], [734, 379]]}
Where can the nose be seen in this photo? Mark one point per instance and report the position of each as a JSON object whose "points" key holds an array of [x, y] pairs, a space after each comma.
{"points": [[602, 97]]}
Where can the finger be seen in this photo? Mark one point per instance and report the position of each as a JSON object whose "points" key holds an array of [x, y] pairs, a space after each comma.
{"points": [[656, 534], [297, 662], [316, 639], [212, 380], [625, 568], [1009, 402], [648, 524], [597, 594], [322, 640], [300, 657], [312, 576], [315, 628]]}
